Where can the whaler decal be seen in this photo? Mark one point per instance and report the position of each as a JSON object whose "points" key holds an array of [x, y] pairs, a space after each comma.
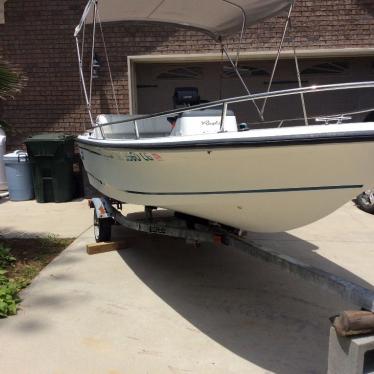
{"points": [[140, 156], [210, 123]]}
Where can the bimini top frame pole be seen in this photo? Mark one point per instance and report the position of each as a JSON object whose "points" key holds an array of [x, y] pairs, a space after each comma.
{"points": [[235, 65], [87, 96], [81, 75], [85, 14], [278, 56]]}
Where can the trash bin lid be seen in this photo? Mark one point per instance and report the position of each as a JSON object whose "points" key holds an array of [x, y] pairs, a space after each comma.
{"points": [[16, 156], [56, 145], [50, 137]]}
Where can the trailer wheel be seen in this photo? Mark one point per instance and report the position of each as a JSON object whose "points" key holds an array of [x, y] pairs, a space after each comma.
{"points": [[102, 228], [365, 201]]}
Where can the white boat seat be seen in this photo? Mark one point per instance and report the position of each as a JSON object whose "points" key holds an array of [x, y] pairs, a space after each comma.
{"points": [[207, 121], [153, 127]]}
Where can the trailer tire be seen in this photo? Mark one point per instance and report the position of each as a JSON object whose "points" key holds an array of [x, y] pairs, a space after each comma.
{"points": [[102, 228]]}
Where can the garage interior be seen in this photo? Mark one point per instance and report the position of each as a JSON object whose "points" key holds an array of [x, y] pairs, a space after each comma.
{"points": [[155, 84]]}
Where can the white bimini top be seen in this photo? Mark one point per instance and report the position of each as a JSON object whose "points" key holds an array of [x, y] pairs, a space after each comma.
{"points": [[218, 18]]}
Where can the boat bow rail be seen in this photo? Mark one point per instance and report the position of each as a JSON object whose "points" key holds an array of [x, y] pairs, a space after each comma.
{"points": [[224, 103]]}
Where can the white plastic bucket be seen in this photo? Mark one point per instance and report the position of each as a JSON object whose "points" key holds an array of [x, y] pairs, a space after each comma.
{"points": [[3, 182]]}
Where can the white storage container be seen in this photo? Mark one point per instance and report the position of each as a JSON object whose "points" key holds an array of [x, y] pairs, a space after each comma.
{"points": [[3, 183], [19, 174], [206, 121]]}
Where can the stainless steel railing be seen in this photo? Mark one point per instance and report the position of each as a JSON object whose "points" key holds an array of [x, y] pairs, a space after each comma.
{"points": [[225, 102]]}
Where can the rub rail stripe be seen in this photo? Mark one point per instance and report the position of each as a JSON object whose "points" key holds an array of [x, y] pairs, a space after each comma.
{"points": [[270, 190]]}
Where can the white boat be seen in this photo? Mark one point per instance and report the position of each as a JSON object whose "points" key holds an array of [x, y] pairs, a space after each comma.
{"points": [[197, 160]]}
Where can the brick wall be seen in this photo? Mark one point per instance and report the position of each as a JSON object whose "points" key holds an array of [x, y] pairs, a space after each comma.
{"points": [[37, 39]]}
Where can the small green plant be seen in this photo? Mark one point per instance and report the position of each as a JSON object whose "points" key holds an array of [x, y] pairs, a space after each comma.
{"points": [[6, 259], [8, 295], [20, 264], [8, 288]]}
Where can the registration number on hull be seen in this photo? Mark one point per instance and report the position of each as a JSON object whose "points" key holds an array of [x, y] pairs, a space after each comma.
{"points": [[142, 156]]}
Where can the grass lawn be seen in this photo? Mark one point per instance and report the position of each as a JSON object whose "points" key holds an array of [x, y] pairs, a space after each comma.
{"points": [[20, 262]]}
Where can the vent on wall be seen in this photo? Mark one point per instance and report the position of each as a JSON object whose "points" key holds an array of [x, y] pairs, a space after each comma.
{"points": [[245, 71], [182, 73], [327, 68]]}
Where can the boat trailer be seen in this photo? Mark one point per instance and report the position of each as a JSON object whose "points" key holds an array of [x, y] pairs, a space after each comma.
{"points": [[196, 231], [350, 325]]}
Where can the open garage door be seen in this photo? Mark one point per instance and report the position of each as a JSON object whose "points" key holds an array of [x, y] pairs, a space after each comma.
{"points": [[156, 83]]}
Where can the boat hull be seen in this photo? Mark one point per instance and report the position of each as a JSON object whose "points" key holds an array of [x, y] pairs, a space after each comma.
{"points": [[261, 189]]}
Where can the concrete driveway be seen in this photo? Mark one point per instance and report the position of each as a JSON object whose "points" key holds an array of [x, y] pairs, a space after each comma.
{"points": [[162, 306], [29, 219]]}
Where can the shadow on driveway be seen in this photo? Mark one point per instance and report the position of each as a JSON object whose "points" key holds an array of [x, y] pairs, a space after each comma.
{"points": [[254, 309]]}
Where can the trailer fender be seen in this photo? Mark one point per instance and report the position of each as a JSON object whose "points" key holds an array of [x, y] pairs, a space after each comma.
{"points": [[102, 206]]}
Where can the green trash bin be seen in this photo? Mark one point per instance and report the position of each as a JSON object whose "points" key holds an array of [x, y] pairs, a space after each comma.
{"points": [[51, 156]]}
